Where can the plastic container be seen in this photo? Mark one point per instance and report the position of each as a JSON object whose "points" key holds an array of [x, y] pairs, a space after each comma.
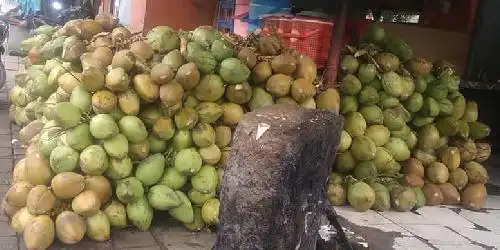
{"points": [[309, 36]]}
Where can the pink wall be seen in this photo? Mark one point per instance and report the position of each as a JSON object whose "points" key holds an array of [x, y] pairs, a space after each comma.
{"points": [[240, 27], [138, 15], [186, 14]]}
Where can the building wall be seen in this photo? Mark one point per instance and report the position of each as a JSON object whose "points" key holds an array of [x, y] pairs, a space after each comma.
{"points": [[186, 14]]}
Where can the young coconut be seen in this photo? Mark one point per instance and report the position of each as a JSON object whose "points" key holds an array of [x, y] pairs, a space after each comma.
{"points": [[67, 185], [21, 219], [361, 196], [450, 194], [19, 173], [198, 224], [70, 227], [140, 213], [98, 226], [117, 80], [94, 160], [171, 93], [101, 186], [184, 212], [40, 200], [18, 193], [129, 102], [123, 59], [129, 190], [145, 88], [104, 101], [40, 233], [139, 151], [117, 213], [474, 196], [210, 211], [86, 203]]}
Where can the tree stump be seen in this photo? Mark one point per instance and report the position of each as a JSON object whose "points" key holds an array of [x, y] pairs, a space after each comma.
{"points": [[273, 193]]}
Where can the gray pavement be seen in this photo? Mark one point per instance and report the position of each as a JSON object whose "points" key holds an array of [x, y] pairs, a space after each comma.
{"points": [[441, 227]]}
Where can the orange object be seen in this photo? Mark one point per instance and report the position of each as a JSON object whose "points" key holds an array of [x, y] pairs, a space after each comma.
{"points": [[309, 36]]}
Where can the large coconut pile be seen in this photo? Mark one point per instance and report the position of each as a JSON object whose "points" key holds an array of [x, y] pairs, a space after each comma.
{"points": [[410, 137], [121, 126]]}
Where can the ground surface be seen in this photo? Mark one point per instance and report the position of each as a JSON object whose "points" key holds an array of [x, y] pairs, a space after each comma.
{"points": [[428, 228]]}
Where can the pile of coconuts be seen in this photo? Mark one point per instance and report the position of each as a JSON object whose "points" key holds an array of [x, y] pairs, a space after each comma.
{"points": [[120, 127], [410, 137]]}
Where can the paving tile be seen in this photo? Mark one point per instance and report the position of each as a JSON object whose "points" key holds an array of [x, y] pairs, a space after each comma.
{"points": [[409, 242], [483, 237], [444, 216], [8, 243], [5, 141], [406, 218], [85, 244], [435, 234], [5, 229], [179, 239], [5, 152], [369, 217], [391, 228], [5, 166], [459, 247], [132, 238], [489, 219], [492, 201]]}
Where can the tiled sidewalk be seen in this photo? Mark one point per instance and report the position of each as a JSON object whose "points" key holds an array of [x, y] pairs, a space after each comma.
{"points": [[428, 228]]}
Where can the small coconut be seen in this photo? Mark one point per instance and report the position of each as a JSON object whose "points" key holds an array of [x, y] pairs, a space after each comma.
{"points": [[90, 28], [248, 57], [261, 72], [171, 93], [145, 88], [301, 90], [98, 227], [120, 34], [474, 196], [37, 169], [67, 185], [106, 21], [89, 62], [223, 136], [40, 200], [101, 186], [138, 151], [40, 233], [129, 102], [239, 93], [104, 101], [117, 213], [162, 73], [233, 113], [19, 173], [141, 50], [104, 55], [70, 227], [86, 203], [188, 76], [164, 128], [123, 59], [21, 219], [93, 78], [117, 80], [9, 210]]}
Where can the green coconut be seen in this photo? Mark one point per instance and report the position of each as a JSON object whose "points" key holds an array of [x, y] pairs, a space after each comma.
{"points": [[103, 126], [93, 160]]}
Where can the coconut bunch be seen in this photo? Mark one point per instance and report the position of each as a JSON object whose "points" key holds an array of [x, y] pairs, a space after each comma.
{"points": [[410, 137], [119, 128]]}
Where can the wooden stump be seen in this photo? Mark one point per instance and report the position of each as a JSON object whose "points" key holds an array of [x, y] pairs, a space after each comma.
{"points": [[273, 193]]}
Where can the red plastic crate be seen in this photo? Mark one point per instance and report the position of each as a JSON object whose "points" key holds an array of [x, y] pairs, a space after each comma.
{"points": [[309, 36]]}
